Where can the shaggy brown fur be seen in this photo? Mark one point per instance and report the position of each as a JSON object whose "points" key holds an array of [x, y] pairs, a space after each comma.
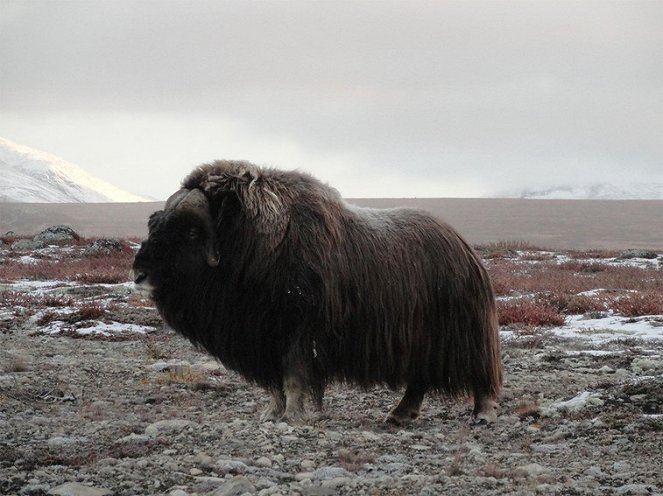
{"points": [[292, 287]]}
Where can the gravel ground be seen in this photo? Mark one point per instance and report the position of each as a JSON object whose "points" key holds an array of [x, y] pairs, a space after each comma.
{"points": [[149, 414], [96, 398]]}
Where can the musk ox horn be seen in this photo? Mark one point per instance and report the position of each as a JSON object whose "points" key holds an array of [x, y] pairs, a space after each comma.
{"points": [[196, 202], [175, 199]]}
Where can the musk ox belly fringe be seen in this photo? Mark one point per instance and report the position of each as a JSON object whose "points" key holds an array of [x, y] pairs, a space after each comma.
{"points": [[275, 275]]}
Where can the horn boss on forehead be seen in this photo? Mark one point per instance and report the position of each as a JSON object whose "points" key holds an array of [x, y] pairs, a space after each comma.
{"points": [[301, 289]]}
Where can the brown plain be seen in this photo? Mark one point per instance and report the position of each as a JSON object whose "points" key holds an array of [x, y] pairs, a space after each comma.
{"points": [[554, 224]]}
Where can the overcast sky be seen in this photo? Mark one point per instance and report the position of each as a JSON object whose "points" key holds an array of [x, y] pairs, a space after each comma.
{"points": [[377, 98]]}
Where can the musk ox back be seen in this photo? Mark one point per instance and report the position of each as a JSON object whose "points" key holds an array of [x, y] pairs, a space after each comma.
{"points": [[281, 280]]}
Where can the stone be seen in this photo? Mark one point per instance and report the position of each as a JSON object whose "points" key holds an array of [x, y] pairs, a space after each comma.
{"points": [[27, 245], [531, 470], [329, 473], [635, 489], [56, 234], [103, 246], [64, 441], [76, 489], [236, 486], [263, 461], [635, 253], [167, 427], [35, 489]]}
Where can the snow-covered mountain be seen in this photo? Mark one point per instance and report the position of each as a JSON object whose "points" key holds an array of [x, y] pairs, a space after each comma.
{"points": [[28, 175], [597, 191]]}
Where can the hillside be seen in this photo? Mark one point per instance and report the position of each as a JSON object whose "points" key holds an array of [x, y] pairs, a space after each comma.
{"points": [[29, 175]]}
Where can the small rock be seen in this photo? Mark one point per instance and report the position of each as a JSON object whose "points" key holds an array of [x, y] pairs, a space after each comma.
{"points": [[35, 489], [329, 473], [234, 487], [635, 489], [576, 404], [195, 472], [133, 439], [204, 460], [64, 441], [76, 489], [645, 364], [621, 467], [27, 245], [175, 366], [263, 461], [531, 470], [167, 427], [232, 467], [371, 436], [103, 247], [307, 465], [178, 492]]}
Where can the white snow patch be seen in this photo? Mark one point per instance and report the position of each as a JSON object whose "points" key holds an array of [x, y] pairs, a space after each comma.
{"points": [[611, 328], [99, 328]]}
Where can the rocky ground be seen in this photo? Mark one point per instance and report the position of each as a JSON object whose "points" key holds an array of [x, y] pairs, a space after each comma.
{"points": [[85, 410]]}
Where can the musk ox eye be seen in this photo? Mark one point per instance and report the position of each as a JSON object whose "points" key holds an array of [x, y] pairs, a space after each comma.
{"points": [[193, 233]]}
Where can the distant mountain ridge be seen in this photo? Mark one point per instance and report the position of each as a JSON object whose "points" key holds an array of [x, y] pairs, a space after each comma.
{"points": [[596, 191], [29, 175]]}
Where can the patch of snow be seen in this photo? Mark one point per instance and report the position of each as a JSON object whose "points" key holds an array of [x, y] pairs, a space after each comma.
{"points": [[99, 328], [28, 260], [611, 328], [595, 191]]}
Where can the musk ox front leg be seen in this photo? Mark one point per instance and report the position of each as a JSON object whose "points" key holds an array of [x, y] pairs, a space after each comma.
{"points": [[287, 403], [485, 409], [276, 407], [294, 399], [409, 407]]}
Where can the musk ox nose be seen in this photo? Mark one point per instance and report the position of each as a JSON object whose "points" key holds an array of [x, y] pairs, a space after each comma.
{"points": [[138, 276]]}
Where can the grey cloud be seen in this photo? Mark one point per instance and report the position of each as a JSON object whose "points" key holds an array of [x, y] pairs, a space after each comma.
{"points": [[494, 90]]}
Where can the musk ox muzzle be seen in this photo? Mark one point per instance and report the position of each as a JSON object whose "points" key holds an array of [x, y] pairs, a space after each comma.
{"points": [[273, 273]]}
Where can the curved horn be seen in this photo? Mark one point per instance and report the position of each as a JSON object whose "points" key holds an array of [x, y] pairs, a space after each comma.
{"points": [[175, 199], [196, 202]]}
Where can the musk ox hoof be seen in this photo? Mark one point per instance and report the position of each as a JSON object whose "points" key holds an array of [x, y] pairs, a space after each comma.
{"points": [[485, 413], [269, 415], [400, 419], [296, 417]]}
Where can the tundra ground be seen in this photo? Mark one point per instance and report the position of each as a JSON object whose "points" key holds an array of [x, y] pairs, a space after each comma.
{"points": [[96, 397]]}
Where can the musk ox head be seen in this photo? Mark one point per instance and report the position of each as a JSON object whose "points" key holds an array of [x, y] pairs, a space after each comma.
{"points": [[182, 242]]}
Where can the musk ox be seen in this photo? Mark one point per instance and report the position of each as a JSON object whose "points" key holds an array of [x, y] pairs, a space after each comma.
{"points": [[273, 273]]}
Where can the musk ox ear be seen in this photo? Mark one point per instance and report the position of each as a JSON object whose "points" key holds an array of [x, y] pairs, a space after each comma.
{"points": [[196, 202], [263, 203]]}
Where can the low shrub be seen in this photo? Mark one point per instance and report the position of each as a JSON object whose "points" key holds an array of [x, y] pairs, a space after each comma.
{"points": [[528, 312], [638, 304]]}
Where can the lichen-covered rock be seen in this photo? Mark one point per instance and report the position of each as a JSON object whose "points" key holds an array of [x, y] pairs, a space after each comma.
{"points": [[103, 247], [634, 253], [27, 245], [57, 234]]}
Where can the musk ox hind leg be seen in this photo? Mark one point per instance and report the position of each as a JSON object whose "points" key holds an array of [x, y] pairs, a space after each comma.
{"points": [[409, 407]]}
